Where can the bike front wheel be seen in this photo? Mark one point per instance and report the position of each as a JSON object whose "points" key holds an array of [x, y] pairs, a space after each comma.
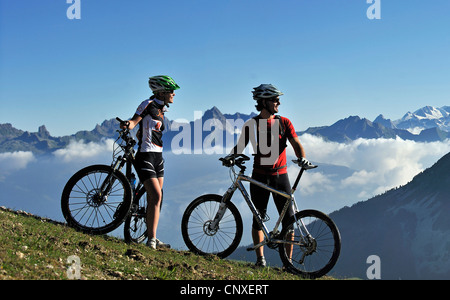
{"points": [[197, 233], [96, 199], [312, 244]]}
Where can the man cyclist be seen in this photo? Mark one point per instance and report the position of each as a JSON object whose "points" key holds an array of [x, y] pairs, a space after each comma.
{"points": [[150, 163], [269, 167]]}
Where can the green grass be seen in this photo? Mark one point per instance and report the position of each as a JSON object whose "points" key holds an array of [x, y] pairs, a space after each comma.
{"points": [[37, 248]]}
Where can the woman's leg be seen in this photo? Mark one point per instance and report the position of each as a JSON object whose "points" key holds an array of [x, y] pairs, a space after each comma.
{"points": [[153, 186]]}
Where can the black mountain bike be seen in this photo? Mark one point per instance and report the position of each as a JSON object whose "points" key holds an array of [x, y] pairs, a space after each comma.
{"points": [[99, 198], [309, 246]]}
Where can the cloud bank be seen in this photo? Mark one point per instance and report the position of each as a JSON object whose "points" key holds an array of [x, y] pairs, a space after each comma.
{"points": [[378, 164], [79, 150], [14, 161], [347, 173]]}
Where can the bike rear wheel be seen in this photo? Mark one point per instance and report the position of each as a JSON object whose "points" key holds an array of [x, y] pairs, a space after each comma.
{"points": [[88, 209], [310, 256], [135, 226], [200, 238]]}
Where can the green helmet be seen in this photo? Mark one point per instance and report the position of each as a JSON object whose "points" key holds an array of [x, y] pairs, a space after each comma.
{"points": [[162, 83]]}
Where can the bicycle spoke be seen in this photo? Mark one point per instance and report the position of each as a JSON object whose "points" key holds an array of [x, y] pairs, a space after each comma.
{"points": [[316, 244], [202, 238], [88, 207]]}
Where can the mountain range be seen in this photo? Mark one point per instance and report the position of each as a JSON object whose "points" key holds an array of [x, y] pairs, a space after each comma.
{"points": [[425, 118], [41, 142], [427, 124], [407, 227]]}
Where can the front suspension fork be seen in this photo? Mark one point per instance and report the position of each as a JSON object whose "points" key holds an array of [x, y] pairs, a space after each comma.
{"points": [[214, 225]]}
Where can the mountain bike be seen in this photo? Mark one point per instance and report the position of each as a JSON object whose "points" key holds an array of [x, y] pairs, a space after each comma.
{"points": [[99, 198], [309, 246]]}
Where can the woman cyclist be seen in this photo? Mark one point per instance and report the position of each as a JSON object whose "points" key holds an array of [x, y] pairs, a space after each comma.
{"points": [[269, 167], [150, 163]]}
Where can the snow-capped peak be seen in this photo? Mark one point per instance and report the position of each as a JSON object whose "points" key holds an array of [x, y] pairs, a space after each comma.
{"points": [[430, 112], [424, 118]]}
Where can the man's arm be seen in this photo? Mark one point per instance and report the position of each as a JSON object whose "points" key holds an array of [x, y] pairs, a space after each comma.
{"points": [[241, 144], [298, 148], [247, 135]]}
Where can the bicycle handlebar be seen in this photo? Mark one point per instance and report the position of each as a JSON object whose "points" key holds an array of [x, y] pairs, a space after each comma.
{"points": [[235, 160], [239, 159], [127, 123], [124, 133]]}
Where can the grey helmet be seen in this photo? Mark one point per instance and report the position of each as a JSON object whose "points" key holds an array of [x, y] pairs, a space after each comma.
{"points": [[265, 91]]}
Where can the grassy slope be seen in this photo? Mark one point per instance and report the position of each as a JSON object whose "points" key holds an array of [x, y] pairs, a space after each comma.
{"points": [[36, 248]]}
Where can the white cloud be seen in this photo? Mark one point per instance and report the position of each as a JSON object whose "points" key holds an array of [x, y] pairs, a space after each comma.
{"points": [[379, 164], [78, 150], [13, 161], [311, 182], [359, 178]]}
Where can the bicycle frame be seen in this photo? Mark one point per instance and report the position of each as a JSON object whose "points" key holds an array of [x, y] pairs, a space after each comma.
{"points": [[290, 200], [127, 161]]}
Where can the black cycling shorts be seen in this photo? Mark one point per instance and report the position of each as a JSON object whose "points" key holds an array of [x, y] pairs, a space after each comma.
{"points": [[260, 196], [149, 165]]}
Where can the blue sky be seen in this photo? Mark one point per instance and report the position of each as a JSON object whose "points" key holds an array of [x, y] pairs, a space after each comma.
{"points": [[328, 58]]}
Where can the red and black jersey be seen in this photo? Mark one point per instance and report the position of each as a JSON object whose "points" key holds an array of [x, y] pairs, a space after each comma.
{"points": [[266, 161]]}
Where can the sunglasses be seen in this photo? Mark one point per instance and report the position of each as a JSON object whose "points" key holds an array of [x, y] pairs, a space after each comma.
{"points": [[274, 99]]}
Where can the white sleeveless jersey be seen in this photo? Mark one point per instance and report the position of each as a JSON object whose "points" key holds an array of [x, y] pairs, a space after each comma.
{"points": [[152, 125]]}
